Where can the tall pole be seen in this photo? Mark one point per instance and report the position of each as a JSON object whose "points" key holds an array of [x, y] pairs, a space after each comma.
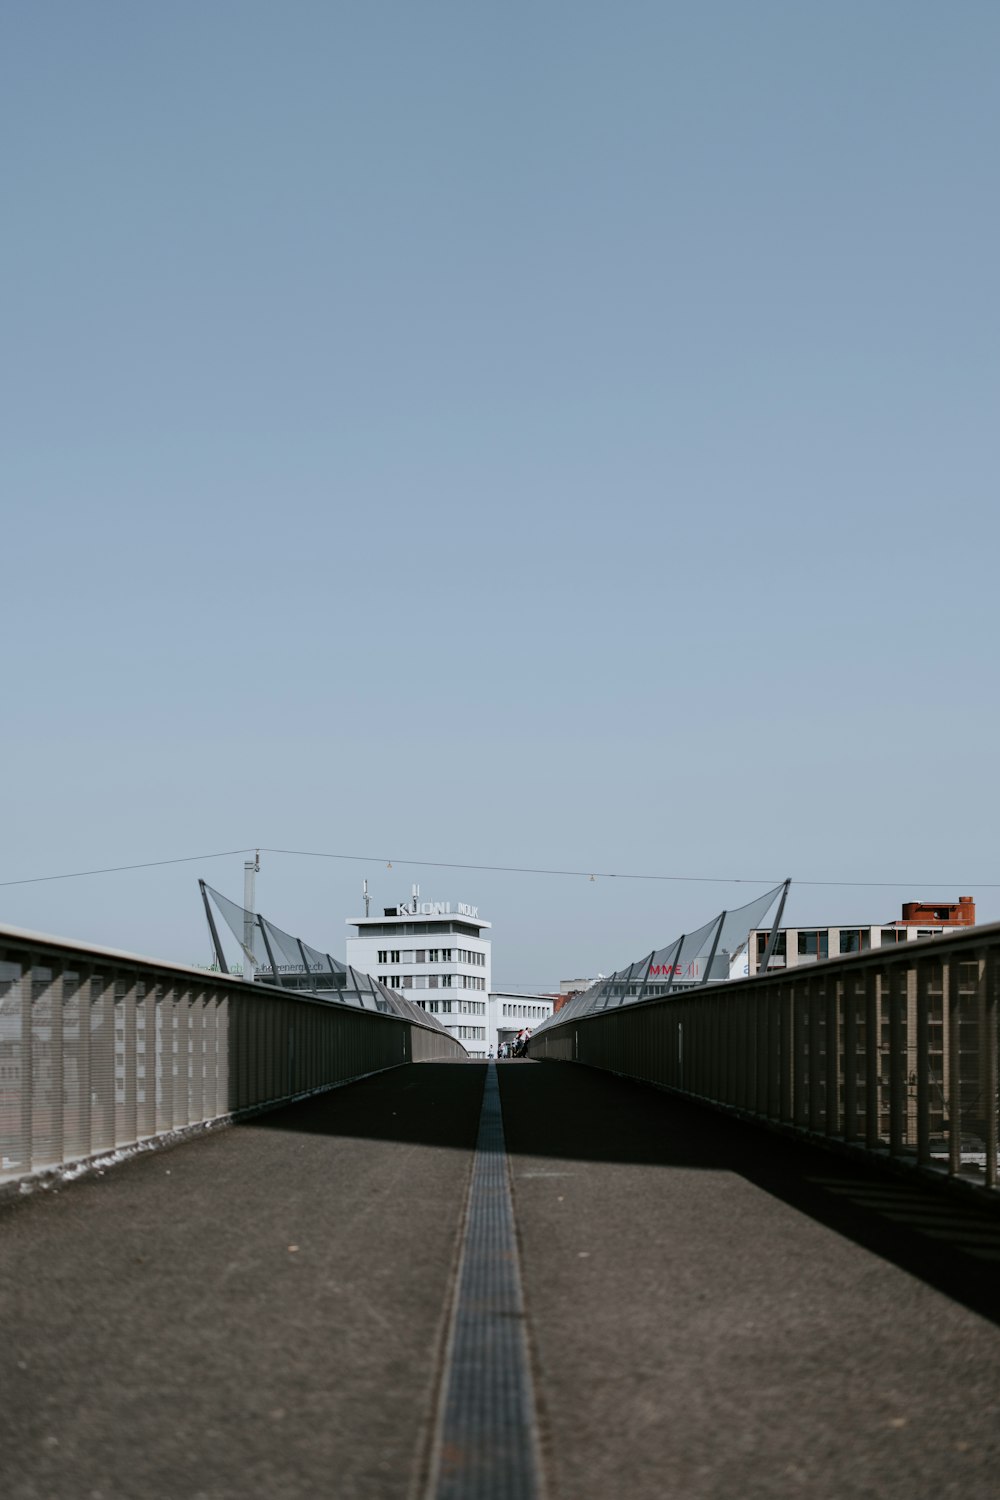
{"points": [[220, 957], [715, 944], [772, 940], [250, 868]]}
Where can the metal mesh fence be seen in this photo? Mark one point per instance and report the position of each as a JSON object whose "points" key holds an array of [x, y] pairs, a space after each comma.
{"points": [[893, 1051], [275, 955], [100, 1051], [695, 958], [293, 963]]}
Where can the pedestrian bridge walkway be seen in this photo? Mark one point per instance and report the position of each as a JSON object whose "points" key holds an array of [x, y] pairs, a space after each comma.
{"points": [[324, 1300]]}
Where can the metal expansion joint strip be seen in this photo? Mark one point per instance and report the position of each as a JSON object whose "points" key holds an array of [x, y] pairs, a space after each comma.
{"points": [[487, 1438]]}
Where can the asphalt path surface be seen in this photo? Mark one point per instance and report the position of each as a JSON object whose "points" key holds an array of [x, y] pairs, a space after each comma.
{"points": [[712, 1312]]}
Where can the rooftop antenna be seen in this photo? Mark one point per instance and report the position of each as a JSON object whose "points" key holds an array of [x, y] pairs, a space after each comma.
{"points": [[250, 868], [368, 899]]}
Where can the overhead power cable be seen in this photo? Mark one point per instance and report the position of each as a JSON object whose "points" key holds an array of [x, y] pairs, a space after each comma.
{"points": [[441, 864], [149, 864]]}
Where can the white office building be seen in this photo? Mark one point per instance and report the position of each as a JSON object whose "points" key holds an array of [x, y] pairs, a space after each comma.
{"points": [[437, 954]]}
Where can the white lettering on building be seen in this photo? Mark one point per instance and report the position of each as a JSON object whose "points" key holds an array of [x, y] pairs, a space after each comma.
{"points": [[413, 908]]}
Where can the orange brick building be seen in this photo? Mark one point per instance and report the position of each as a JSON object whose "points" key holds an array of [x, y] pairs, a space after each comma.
{"points": [[960, 913]]}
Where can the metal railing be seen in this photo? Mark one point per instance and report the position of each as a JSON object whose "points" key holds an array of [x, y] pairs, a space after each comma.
{"points": [[893, 1051], [102, 1051]]}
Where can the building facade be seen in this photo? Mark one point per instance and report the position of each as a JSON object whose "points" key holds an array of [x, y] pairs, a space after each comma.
{"points": [[438, 955], [511, 1010], [795, 946]]}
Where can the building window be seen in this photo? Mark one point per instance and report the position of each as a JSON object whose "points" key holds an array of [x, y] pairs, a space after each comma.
{"points": [[780, 944], [383, 955], [855, 939], [814, 944], [394, 955]]}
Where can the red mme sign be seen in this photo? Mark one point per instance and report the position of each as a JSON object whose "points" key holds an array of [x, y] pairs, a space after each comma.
{"points": [[689, 970]]}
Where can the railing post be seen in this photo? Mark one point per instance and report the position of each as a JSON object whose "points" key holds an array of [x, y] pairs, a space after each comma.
{"points": [[849, 1009], [76, 1141], [897, 1060], [832, 990], [145, 1046], [226, 1073], [45, 1070], [988, 1048], [196, 1094], [164, 1058], [786, 1060], [58, 1062], [800, 1081], [725, 1044], [102, 1060], [922, 1054], [815, 992], [182, 1052], [953, 1034], [762, 1026], [126, 1093], [873, 1040], [84, 1008], [984, 1113], [25, 987]]}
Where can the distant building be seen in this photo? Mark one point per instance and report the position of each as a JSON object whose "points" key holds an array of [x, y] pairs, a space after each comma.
{"points": [[436, 954], [960, 913], [795, 946], [510, 1011], [570, 987]]}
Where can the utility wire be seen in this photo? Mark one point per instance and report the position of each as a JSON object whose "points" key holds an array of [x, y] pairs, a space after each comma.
{"points": [[149, 864], [440, 864]]}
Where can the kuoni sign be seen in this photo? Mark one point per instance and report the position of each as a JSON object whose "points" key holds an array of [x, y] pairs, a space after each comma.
{"points": [[436, 909]]}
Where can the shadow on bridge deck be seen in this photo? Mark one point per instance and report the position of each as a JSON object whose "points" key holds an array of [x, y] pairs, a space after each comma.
{"points": [[571, 1114], [713, 1311]]}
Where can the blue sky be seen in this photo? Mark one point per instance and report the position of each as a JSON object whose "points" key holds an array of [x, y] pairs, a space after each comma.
{"points": [[560, 435]]}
